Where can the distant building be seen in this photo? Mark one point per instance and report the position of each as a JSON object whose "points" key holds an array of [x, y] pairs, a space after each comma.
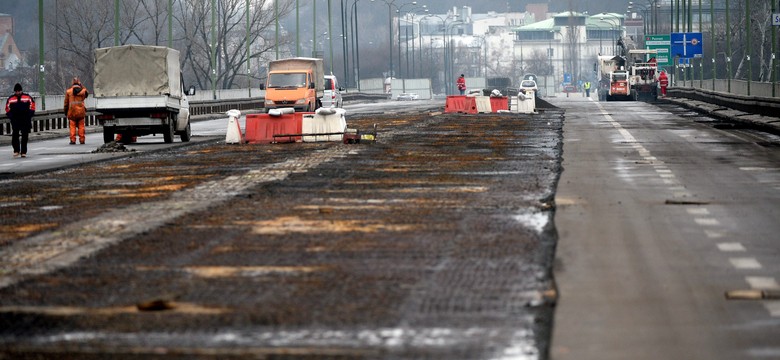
{"points": [[10, 57]]}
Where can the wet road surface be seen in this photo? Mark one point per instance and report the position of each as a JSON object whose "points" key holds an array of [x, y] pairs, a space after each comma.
{"points": [[660, 213]]}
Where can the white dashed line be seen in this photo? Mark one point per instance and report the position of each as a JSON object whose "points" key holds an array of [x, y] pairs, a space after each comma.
{"points": [[761, 282], [745, 263], [698, 211], [773, 307], [707, 221], [712, 234], [731, 247]]}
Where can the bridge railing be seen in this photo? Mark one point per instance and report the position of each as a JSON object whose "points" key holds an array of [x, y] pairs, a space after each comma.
{"points": [[202, 103]]}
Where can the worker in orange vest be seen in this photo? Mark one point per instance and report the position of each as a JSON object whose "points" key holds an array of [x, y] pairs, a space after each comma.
{"points": [[75, 110], [664, 82]]}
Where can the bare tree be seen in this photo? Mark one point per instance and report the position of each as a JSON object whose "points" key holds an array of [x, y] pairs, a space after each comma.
{"points": [[195, 21], [539, 64]]}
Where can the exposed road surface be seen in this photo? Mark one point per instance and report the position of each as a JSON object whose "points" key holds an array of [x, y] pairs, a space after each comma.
{"points": [[659, 214]]}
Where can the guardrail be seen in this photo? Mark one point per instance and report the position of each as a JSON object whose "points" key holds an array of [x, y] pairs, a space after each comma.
{"points": [[56, 119], [767, 106]]}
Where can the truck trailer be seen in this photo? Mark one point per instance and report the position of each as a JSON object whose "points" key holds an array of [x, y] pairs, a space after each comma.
{"points": [[139, 91]]}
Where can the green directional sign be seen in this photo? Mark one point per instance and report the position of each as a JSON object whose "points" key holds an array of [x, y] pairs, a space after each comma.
{"points": [[661, 44]]}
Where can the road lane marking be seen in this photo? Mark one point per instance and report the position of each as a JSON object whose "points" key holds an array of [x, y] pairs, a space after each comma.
{"points": [[731, 247], [706, 221], [773, 307], [762, 282], [745, 263], [697, 211], [712, 234]]}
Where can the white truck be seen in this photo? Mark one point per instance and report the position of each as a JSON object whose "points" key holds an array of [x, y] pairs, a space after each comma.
{"points": [[138, 91]]}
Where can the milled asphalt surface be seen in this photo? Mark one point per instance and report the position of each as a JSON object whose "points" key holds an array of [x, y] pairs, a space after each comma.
{"points": [[434, 242]]}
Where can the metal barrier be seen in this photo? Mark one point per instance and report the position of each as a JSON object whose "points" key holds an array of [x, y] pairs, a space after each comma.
{"points": [[767, 106], [56, 119]]}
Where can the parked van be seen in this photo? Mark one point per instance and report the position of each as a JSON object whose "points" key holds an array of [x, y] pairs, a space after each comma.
{"points": [[332, 97]]}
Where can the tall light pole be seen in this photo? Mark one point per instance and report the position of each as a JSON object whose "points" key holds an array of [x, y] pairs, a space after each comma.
{"points": [[330, 36], [213, 49], [728, 45], [248, 54], [390, 32], [749, 45], [445, 46], [276, 34], [712, 39], [614, 27], [41, 62], [398, 10]]}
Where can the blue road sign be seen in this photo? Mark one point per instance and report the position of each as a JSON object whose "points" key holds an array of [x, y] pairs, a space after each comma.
{"points": [[686, 45], [566, 78]]}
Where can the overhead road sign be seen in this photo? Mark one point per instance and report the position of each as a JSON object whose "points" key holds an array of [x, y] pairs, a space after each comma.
{"points": [[661, 44], [686, 45]]}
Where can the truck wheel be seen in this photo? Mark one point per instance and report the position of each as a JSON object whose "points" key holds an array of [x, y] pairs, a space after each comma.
{"points": [[168, 132], [108, 134], [186, 134]]}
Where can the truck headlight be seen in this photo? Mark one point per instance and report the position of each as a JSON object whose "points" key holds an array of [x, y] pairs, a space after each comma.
{"points": [[300, 102], [270, 102]]}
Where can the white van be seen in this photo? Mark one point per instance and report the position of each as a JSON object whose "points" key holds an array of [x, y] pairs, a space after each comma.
{"points": [[332, 97]]}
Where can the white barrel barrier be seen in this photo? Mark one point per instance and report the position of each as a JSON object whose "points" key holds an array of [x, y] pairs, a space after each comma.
{"points": [[324, 121], [524, 103], [233, 135]]}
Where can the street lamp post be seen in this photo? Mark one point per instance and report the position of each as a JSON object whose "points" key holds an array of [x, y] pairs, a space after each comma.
{"points": [[449, 58], [445, 46], [614, 27], [398, 10]]}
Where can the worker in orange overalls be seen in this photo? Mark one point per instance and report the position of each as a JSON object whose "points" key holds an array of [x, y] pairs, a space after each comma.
{"points": [[75, 110], [664, 82]]}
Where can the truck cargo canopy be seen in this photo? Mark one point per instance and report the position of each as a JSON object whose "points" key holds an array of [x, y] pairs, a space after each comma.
{"points": [[137, 70]]}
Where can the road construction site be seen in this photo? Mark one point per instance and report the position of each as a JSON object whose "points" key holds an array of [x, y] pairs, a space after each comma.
{"points": [[435, 241]]}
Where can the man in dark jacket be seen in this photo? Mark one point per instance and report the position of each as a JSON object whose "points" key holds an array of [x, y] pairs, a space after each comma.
{"points": [[20, 108]]}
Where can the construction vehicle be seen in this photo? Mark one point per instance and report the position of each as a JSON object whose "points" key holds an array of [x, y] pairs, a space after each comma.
{"points": [[606, 64], [619, 88], [643, 74], [297, 83]]}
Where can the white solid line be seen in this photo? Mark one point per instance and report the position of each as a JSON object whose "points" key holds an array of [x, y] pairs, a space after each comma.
{"points": [[707, 221], [745, 263], [762, 282], [733, 246]]}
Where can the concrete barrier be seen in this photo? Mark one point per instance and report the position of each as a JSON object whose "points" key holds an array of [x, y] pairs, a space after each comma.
{"points": [[324, 122]]}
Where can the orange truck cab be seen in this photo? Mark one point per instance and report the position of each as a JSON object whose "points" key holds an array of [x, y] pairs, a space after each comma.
{"points": [[297, 83]]}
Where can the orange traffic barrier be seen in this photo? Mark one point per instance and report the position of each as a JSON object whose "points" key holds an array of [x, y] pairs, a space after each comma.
{"points": [[470, 105], [499, 103], [264, 128], [455, 103]]}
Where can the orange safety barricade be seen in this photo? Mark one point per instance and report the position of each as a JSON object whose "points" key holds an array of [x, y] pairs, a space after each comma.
{"points": [[470, 105], [261, 128], [499, 103], [455, 103]]}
